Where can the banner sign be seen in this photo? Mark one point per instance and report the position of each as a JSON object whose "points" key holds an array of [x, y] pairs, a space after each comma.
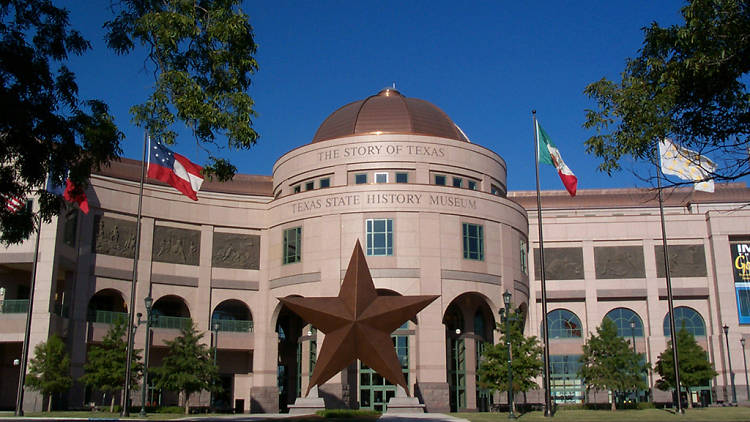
{"points": [[741, 271]]}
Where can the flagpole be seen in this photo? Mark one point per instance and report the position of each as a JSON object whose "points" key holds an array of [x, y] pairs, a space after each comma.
{"points": [[27, 333], [131, 313], [669, 290], [545, 334]]}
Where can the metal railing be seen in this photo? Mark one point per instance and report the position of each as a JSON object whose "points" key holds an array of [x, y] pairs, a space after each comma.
{"points": [[14, 306], [234, 325], [177, 323], [108, 317]]}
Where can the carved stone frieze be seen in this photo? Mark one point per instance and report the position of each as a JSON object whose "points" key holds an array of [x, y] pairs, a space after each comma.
{"points": [[613, 262], [684, 260], [176, 246], [239, 251], [560, 263], [113, 236]]}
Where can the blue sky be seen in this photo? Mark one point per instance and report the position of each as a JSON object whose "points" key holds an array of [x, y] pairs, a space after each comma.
{"points": [[487, 64]]}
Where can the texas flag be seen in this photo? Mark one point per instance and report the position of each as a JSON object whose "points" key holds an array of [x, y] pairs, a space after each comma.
{"points": [[549, 154], [175, 170]]}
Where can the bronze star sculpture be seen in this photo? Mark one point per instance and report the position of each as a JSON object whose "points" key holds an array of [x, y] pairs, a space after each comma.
{"points": [[358, 324]]}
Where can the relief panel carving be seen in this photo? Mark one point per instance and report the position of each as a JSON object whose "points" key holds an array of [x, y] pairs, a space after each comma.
{"points": [[619, 262], [113, 236], [176, 246], [684, 260], [560, 263], [239, 251]]}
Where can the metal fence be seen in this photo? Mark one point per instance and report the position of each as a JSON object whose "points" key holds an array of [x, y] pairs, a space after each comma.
{"points": [[14, 306], [234, 325], [108, 317], [177, 323]]}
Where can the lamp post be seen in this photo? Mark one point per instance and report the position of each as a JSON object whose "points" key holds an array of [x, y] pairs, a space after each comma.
{"points": [[744, 359], [148, 302], [506, 301], [632, 334], [215, 340], [729, 360]]}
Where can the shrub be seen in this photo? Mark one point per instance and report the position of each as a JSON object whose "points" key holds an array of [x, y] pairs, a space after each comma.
{"points": [[347, 413], [170, 409]]}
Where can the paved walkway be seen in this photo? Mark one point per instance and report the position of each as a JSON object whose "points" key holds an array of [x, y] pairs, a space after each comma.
{"points": [[405, 417]]}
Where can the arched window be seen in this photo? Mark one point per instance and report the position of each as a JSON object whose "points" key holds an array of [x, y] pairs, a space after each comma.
{"points": [[564, 324], [623, 317], [687, 318]]}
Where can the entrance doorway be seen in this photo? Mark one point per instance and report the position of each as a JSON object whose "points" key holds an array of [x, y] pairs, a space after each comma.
{"points": [[374, 390]]}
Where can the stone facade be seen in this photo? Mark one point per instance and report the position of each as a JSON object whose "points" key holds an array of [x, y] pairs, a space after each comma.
{"points": [[432, 212]]}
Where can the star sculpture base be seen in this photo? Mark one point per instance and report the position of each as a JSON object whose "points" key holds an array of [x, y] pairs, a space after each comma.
{"points": [[357, 324], [307, 405]]}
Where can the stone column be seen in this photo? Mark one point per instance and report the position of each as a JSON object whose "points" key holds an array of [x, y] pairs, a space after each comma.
{"points": [[431, 383]]}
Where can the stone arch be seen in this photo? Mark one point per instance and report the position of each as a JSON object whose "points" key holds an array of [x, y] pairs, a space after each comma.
{"points": [[288, 327], [465, 315], [171, 305], [232, 315], [105, 305]]}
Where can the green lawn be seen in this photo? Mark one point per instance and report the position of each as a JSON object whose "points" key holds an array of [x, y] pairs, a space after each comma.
{"points": [[713, 414]]}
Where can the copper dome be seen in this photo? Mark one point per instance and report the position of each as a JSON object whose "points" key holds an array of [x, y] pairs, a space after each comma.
{"points": [[388, 112]]}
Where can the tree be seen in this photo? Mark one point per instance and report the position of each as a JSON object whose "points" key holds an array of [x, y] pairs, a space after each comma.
{"points": [[105, 368], [44, 127], [202, 53], [49, 369], [188, 366], [695, 368], [687, 84], [608, 363], [203, 56], [526, 362]]}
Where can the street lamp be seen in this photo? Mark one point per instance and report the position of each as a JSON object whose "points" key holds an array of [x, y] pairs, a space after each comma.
{"points": [[729, 359], [744, 359], [215, 327], [149, 302], [632, 333], [506, 301]]}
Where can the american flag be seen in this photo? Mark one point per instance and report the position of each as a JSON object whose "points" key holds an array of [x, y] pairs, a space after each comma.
{"points": [[13, 203]]}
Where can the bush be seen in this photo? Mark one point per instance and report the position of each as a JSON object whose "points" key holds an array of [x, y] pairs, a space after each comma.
{"points": [[347, 413], [171, 409]]}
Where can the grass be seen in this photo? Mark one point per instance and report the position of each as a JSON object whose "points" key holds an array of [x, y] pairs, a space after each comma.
{"points": [[712, 414]]}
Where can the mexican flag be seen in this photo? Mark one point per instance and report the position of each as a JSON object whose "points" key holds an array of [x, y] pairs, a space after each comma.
{"points": [[549, 154]]}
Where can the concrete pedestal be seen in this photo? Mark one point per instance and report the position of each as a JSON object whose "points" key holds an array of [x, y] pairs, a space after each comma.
{"points": [[402, 403], [307, 405]]}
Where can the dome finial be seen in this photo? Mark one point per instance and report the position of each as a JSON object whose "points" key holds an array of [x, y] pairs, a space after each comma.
{"points": [[390, 91]]}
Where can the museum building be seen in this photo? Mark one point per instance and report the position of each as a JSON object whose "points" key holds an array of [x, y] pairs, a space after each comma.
{"points": [[434, 217]]}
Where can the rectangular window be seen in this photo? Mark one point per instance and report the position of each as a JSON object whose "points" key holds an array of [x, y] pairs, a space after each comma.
{"points": [[292, 245], [440, 179], [309, 185], [457, 182], [473, 242], [402, 177], [380, 237], [325, 182], [360, 179], [297, 189], [524, 257], [473, 186], [381, 177], [495, 190]]}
